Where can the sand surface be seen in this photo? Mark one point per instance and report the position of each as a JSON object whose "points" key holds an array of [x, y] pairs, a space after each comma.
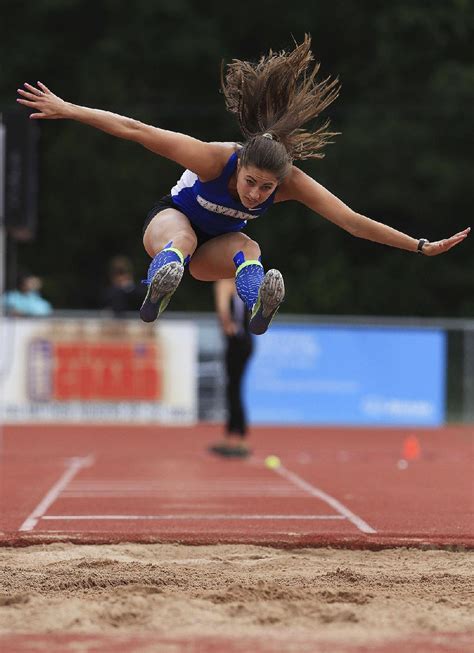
{"points": [[227, 590]]}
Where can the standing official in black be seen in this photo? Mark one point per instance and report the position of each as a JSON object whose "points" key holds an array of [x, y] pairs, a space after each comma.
{"points": [[234, 320]]}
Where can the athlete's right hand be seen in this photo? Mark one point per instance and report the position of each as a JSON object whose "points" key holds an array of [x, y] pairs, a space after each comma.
{"points": [[43, 101]]}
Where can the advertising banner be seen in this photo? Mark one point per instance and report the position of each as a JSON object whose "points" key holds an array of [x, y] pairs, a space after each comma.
{"points": [[98, 370], [348, 376]]}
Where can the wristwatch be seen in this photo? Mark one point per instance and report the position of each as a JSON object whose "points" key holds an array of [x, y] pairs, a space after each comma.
{"points": [[421, 243]]}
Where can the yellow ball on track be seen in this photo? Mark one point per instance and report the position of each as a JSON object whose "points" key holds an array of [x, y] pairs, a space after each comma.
{"points": [[272, 462]]}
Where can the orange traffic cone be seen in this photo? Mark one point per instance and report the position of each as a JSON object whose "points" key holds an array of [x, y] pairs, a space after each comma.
{"points": [[411, 448]]}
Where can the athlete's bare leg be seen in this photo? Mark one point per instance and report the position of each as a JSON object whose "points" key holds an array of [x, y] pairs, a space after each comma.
{"points": [[214, 260], [169, 239], [237, 254], [170, 225]]}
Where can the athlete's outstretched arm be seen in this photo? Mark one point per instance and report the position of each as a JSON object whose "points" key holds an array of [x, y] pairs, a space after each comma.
{"points": [[202, 158], [306, 190]]}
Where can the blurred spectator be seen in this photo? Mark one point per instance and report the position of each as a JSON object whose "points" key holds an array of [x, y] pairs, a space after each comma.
{"points": [[123, 294], [234, 319], [26, 300]]}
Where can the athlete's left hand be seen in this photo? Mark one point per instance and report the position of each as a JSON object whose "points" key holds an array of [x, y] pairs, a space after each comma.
{"points": [[441, 246]]}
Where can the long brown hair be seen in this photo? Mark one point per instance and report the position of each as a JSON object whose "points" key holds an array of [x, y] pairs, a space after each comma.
{"points": [[274, 98]]}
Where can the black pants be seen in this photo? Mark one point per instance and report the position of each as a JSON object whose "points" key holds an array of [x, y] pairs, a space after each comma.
{"points": [[238, 352]]}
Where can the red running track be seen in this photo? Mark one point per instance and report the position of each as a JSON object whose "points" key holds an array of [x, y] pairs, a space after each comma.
{"points": [[336, 486], [63, 643]]}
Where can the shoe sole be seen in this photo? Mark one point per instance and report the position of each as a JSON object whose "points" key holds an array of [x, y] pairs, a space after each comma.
{"points": [[160, 290], [270, 296]]}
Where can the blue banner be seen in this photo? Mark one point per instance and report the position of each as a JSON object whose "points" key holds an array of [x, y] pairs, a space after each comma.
{"points": [[347, 375]]}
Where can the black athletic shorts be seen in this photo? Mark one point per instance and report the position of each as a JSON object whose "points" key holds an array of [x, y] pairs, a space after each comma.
{"points": [[166, 202]]}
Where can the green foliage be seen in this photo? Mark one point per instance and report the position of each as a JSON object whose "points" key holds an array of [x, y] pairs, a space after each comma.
{"points": [[404, 156]]}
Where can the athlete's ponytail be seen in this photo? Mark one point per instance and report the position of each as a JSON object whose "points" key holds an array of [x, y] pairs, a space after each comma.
{"points": [[274, 98]]}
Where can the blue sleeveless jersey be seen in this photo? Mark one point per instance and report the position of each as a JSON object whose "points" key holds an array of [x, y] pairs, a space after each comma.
{"points": [[210, 206]]}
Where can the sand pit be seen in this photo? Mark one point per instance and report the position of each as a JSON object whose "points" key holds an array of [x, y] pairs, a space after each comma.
{"points": [[311, 594]]}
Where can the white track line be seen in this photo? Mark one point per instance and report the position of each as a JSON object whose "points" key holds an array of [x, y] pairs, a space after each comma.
{"points": [[74, 465], [189, 517], [334, 503]]}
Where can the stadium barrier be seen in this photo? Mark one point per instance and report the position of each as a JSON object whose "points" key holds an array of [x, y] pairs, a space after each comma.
{"points": [[306, 370]]}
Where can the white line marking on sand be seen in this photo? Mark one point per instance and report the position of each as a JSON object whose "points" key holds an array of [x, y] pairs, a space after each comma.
{"points": [[74, 465], [334, 503], [189, 517]]}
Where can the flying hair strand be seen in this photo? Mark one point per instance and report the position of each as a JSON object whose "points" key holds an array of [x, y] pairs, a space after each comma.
{"points": [[280, 94]]}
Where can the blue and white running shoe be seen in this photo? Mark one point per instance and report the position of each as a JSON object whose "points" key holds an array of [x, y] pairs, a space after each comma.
{"points": [[161, 287], [270, 295]]}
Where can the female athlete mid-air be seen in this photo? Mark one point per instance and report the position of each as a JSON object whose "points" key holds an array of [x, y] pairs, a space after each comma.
{"points": [[224, 185]]}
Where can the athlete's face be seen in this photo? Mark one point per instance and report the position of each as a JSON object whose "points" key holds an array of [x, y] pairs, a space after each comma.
{"points": [[254, 185]]}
